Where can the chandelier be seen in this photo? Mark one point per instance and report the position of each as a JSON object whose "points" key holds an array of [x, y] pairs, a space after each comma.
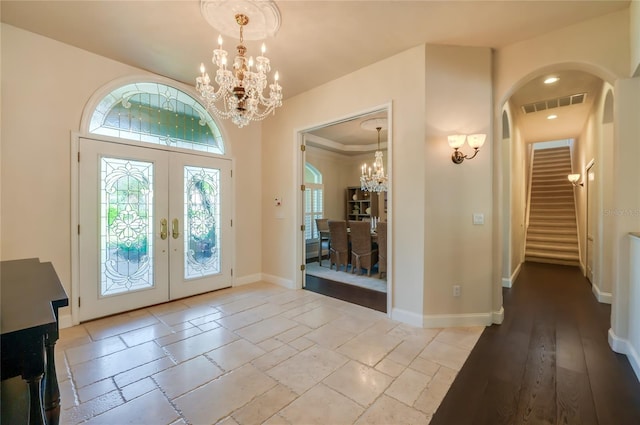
{"points": [[239, 92], [373, 179]]}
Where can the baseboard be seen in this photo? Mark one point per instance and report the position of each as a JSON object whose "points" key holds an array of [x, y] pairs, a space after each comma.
{"points": [[457, 320], [408, 317], [603, 297], [498, 316], [65, 321], [245, 280], [623, 346], [508, 282], [276, 280]]}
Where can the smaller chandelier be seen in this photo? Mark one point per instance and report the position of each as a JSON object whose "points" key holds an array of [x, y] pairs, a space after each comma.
{"points": [[373, 178], [239, 94]]}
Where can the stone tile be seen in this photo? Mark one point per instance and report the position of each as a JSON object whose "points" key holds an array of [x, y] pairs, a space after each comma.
{"points": [[141, 372], [408, 350], [189, 314], [432, 396], [103, 347], [146, 334], [72, 337], [275, 357], [301, 344], [306, 369], [408, 386], [186, 376], [369, 348], [208, 326], [425, 366], [94, 407], [218, 398], [354, 324], [178, 335], [199, 344], [390, 367], [318, 317], [360, 383], [115, 325], [293, 333], [445, 354], [277, 420], [235, 354], [387, 411], [167, 308], [464, 338], [113, 364], [270, 344], [96, 389], [264, 406], [265, 329], [138, 388], [405, 331], [330, 336], [151, 408], [68, 394], [240, 305], [322, 405], [228, 421]]}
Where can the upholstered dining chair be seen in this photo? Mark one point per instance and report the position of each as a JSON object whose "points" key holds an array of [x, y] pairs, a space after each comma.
{"points": [[363, 256], [322, 224], [339, 250], [381, 231]]}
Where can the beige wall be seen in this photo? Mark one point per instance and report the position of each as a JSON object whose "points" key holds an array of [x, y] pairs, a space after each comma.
{"points": [[458, 101], [346, 96], [634, 14], [42, 105]]}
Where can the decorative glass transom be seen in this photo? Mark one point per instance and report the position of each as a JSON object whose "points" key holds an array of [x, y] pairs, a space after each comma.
{"points": [[126, 225], [202, 222], [159, 114]]}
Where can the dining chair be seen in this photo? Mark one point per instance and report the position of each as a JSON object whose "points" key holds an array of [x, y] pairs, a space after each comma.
{"points": [[363, 255], [339, 249], [381, 231], [322, 224]]}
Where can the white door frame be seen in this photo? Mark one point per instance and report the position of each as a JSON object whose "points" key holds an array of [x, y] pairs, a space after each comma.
{"points": [[74, 297]]}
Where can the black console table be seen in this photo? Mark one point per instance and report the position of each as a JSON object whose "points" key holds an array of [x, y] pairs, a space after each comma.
{"points": [[31, 296]]}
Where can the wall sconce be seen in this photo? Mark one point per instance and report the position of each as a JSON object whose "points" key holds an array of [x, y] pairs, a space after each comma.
{"points": [[573, 178], [457, 140]]}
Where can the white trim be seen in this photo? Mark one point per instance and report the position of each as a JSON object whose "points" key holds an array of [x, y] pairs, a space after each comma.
{"points": [[65, 321], [603, 297], [75, 220], [508, 282], [623, 346], [498, 316], [245, 280], [408, 317], [276, 280], [458, 320]]}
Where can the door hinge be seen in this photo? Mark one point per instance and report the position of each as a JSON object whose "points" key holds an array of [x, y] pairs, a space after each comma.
{"points": [[78, 156], [231, 223], [302, 227], [79, 302], [303, 267], [303, 187], [303, 148], [231, 173], [78, 229], [231, 272]]}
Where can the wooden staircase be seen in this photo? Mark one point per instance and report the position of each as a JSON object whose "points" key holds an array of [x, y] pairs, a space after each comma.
{"points": [[552, 234]]}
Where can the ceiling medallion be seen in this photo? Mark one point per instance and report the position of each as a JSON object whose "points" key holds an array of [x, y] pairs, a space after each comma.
{"points": [[220, 14], [236, 91]]}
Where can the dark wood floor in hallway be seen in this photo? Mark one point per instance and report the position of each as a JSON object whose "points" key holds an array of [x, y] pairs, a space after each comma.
{"points": [[548, 363]]}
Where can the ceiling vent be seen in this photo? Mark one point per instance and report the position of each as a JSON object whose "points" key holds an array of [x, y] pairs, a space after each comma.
{"points": [[543, 105]]}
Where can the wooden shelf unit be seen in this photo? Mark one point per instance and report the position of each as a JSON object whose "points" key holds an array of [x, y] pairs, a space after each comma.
{"points": [[358, 201]]}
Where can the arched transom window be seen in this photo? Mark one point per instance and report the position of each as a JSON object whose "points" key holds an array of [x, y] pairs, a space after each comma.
{"points": [[156, 113]]}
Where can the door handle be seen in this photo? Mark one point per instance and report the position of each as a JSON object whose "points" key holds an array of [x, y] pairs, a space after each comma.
{"points": [[163, 229], [174, 229]]}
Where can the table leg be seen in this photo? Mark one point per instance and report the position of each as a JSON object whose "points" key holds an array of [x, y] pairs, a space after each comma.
{"points": [[50, 385]]}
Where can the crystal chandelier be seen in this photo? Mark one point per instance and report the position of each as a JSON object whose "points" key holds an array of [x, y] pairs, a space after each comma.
{"points": [[239, 90], [373, 178]]}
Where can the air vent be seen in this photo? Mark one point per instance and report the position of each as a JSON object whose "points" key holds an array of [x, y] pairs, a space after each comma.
{"points": [[543, 105]]}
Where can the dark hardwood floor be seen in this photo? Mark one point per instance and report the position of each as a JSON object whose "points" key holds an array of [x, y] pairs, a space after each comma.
{"points": [[350, 293], [549, 362]]}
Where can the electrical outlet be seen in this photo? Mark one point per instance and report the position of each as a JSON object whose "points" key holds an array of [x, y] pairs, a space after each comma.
{"points": [[456, 290]]}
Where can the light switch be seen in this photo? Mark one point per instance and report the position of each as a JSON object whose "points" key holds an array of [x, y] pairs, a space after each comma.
{"points": [[478, 218]]}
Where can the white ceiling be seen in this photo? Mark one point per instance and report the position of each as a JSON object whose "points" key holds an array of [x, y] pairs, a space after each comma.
{"points": [[318, 41]]}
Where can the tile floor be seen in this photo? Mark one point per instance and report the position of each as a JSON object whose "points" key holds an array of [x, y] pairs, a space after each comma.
{"points": [[256, 354]]}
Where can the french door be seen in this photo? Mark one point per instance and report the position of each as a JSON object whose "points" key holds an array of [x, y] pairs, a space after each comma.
{"points": [[154, 226]]}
